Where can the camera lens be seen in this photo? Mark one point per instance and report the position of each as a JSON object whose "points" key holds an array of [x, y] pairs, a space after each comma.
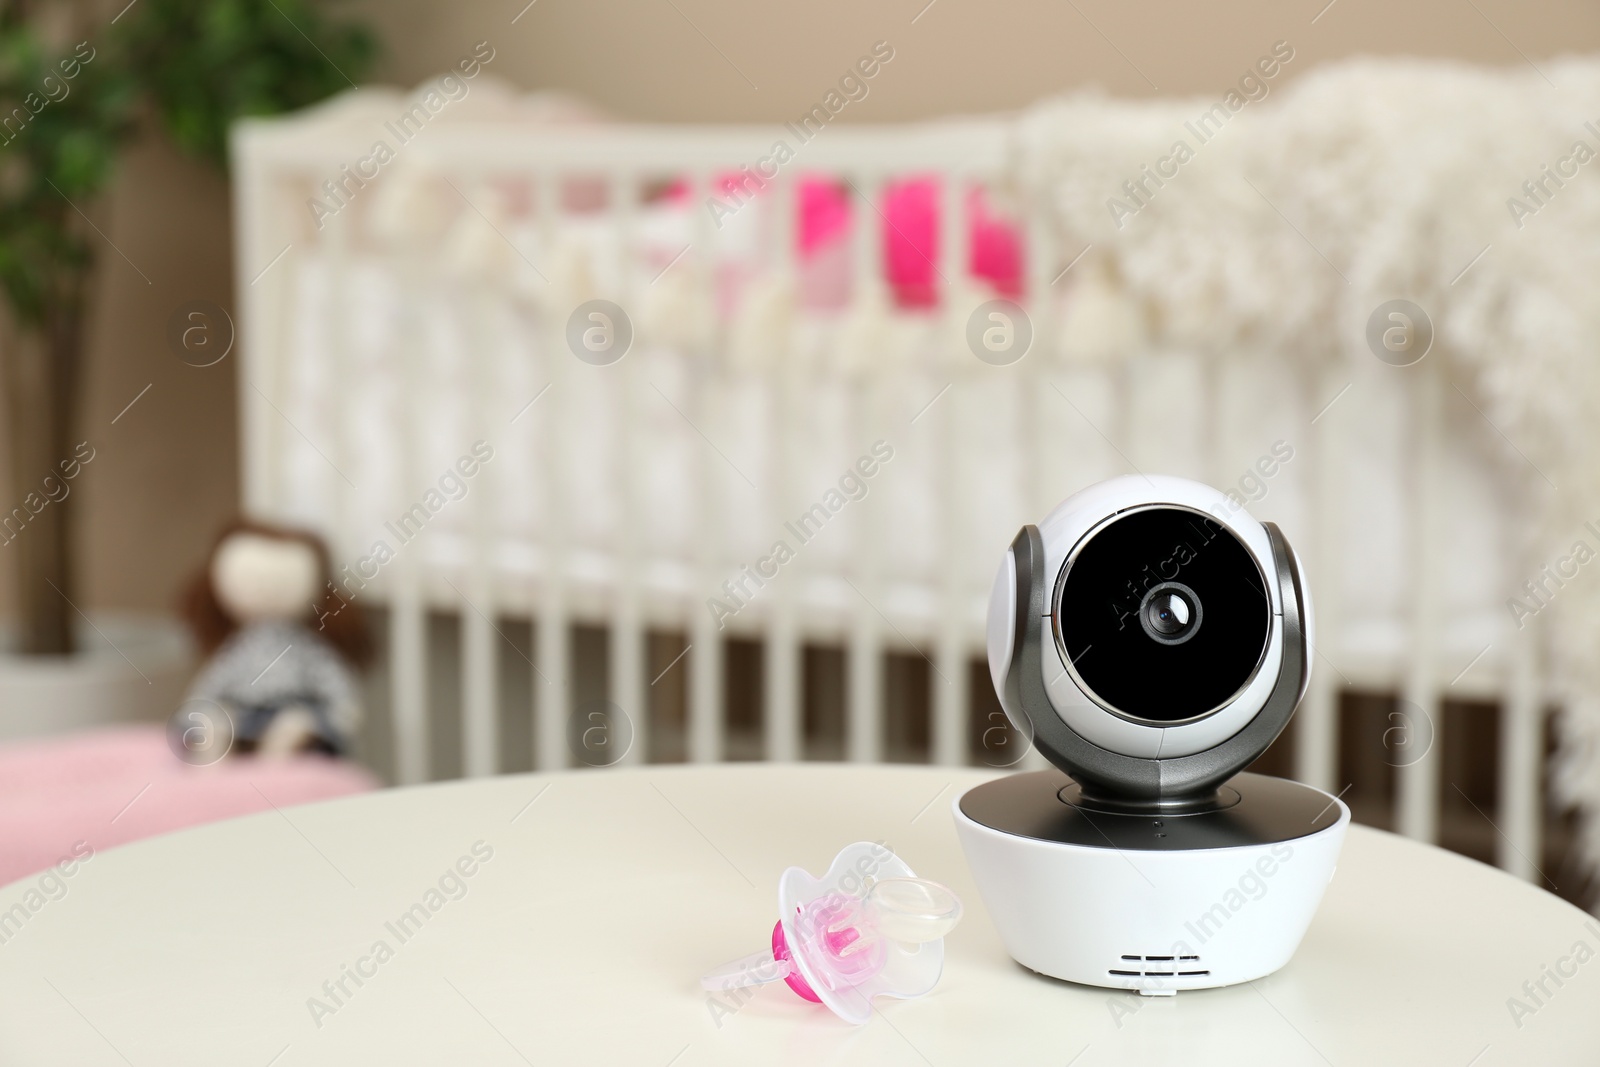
{"points": [[1170, 613], [1161, 614]]}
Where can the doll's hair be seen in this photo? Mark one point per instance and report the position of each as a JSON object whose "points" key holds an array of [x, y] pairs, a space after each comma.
{"points": [[342, 623]]}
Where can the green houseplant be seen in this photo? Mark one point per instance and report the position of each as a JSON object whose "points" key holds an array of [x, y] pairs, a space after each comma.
{"points": [[76, 84]]}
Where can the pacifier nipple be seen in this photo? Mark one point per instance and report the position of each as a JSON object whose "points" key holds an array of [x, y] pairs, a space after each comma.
{"points": [[912, 910], [868, 928]]}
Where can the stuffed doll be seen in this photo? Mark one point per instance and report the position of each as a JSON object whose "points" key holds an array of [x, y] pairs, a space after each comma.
{"points": [[284, 651]]}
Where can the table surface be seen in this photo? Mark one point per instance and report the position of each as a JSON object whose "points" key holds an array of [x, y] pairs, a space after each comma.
{"points": [[597, 898]]}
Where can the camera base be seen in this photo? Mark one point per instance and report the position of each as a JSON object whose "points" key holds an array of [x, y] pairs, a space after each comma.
{"points": [[1150, 901]]}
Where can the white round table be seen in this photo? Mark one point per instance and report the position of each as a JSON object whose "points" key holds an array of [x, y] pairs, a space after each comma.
{"points": [[566, 919]]}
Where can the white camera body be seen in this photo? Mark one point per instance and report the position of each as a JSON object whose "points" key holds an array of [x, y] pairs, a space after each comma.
{"points": [[1152, 639]]}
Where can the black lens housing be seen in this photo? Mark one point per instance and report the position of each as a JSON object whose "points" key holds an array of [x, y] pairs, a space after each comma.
{"points": [[1110, 629]]}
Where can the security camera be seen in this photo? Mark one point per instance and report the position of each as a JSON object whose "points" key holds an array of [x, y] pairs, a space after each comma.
{"points": [[1152, 639]]}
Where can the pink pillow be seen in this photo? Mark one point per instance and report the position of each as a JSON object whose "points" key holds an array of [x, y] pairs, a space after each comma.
{"points": [[911, 227], [65, 797]]}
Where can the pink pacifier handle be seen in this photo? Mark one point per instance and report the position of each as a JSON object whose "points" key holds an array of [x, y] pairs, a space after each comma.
{"points": [[795, 980]]}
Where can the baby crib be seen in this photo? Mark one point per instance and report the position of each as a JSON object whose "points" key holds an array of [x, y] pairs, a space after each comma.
{"points": [[405, 323]]}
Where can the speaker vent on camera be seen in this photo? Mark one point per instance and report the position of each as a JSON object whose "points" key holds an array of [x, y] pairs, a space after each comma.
{"points": [[1159, 967]]}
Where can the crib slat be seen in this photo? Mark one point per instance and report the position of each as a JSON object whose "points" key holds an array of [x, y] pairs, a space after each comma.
{"points": [[785, 387], [408, 612], [1316, 732], [954, 231], [342, 498], [408, 677], [552, 679], [260, 213], [480, 733], [949, 681], [1213, 434], [1417, 795], [1042, 489], [1521, 754], [782, 642], [1044, 262], [627, 681], [480, 639], [1039, 449], [553, 664], [707, 726], [869, 237], [864, 692], [627, 684], [782, 688], [480, 648], [705, 687], [1316, 740], [951, 703], [1042, 486]]}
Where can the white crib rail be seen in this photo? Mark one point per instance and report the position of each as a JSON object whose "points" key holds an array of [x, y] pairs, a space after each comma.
{"points": [[279, 163]]}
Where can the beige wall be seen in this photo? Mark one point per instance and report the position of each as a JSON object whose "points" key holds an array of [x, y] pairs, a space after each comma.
{"points": [[643, 59], [166, 474]]}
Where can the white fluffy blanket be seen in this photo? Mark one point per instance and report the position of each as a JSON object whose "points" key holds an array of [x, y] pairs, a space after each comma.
{"points": [[1362, 182]]}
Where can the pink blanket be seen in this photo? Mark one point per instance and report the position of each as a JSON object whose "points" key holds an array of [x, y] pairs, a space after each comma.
{"points": [[64, 795]]}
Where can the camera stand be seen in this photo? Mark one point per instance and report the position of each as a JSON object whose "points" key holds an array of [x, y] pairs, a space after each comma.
{"points": [[1154, 901]]}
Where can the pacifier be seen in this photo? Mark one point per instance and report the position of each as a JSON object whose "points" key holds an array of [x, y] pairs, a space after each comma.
{"points": [[868, 928]]}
